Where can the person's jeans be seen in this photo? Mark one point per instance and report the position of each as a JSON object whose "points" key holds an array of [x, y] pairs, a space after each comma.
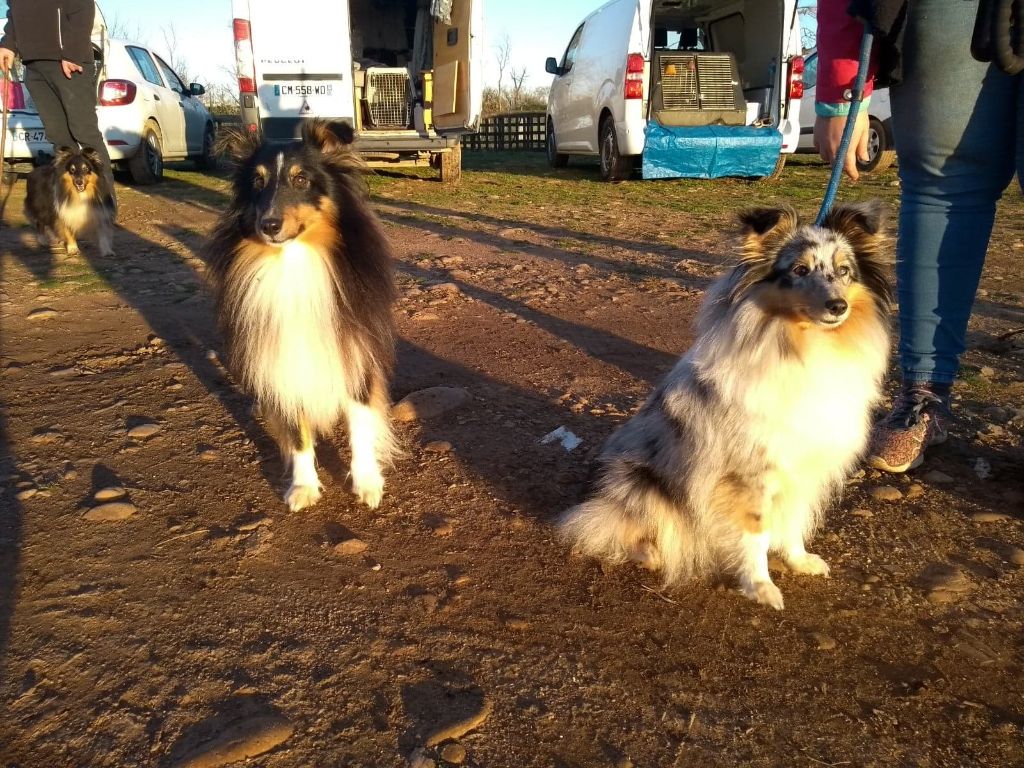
{"points": [[959, 131], [67, 108]]}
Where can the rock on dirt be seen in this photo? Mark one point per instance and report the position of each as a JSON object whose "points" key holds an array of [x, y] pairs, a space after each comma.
{"points": [[239, 741], [944, 583], [110, 493], [989, 517], [822, 641], [935, 476], [351, 547], [453, 753], [144, 431], [885, 493], [461, 727], [111, 511], [429, 403], [43, 313]]}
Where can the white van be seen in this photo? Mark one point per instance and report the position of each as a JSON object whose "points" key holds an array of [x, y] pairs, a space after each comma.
{"points": [[406, 74], [679, 63]]}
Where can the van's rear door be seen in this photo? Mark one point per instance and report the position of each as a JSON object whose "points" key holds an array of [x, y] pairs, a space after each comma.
{"points": [[459, 68], [302, 53]]}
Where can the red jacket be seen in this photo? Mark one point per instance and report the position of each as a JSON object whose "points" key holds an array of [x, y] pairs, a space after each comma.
{"points": [[839, 37]]}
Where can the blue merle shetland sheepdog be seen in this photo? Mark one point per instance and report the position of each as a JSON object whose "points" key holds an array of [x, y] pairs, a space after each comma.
{"points": [[304, 284], [739, 449], [70, 197]]}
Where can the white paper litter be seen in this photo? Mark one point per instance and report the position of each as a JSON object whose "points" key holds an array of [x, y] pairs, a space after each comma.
{"points": [[568, 440]]}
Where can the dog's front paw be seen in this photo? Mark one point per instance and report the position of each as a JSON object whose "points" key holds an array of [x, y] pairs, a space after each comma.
{"points": [[369, 488], [646, 555], [765, 593], [301, 496], [368, 484], [808, 564], [72, 249]]}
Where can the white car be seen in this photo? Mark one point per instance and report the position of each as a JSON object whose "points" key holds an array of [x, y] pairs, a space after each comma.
{"points": [[727, 63], [26, 139], [881, 150], [148, 115]]}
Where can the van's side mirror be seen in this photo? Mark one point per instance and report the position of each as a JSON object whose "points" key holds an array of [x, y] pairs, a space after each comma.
{"points": [[196, 89], [551, 66]]}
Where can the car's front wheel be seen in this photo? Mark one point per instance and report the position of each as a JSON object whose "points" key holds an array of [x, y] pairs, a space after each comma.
{"points": [[880, 151], [147, 166], [556, 159], [208, 160], [614, 167]]}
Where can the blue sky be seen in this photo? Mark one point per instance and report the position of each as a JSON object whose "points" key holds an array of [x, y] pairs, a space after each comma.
{"points": [[536, 28]]}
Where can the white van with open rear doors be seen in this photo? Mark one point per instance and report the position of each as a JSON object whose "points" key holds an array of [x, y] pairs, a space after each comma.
{"points": [[406, 74], [723, 66]]}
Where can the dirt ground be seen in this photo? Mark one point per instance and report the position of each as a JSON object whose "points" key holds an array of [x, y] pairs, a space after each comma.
{"points": [[210, 623]]}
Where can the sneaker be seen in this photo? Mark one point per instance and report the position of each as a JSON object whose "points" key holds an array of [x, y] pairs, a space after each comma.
{"points": [[917, 421]]}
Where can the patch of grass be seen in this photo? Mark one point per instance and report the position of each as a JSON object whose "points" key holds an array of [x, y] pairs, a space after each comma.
{"points": [[75, 276]]}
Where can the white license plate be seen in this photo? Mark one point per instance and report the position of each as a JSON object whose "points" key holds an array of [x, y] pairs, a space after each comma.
{"points": [[304, 89], [30, 136]]}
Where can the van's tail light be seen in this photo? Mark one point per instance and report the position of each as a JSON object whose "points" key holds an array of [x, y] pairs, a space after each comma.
{"points": [[244, 64], [13, 96], [634, 76], [796, 77], [117, 93]]}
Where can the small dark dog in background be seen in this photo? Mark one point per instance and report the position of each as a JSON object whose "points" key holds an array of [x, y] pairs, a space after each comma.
{"points": [[303, 278], [70, 197]]}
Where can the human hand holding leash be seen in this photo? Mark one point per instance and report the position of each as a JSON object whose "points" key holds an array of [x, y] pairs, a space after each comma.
{"points": [[6, 59], [828, 133], [70, 68]]}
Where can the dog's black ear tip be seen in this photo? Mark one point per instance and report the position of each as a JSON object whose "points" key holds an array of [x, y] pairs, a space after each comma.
{"points": [[344, 131], [761, 220], [867, 215]]}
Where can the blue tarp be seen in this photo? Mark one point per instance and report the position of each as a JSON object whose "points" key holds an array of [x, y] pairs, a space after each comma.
{"points": [[709, 151]]}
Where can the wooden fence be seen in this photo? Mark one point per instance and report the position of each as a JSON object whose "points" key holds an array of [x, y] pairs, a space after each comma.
{"points": [[516, 130]]}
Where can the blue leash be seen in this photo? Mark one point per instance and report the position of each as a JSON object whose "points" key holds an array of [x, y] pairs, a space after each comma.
{"points": [[851, 120]]}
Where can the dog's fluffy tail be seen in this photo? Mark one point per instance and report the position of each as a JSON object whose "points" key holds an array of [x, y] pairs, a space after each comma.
{"points": [[644, 528]]}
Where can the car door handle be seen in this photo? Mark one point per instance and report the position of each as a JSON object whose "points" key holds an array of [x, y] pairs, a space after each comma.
{"points": [[156, 96]]}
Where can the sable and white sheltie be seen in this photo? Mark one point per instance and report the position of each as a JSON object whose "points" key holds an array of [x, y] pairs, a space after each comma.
{"points": [[739, 449], [304, 283], [70, 197]]}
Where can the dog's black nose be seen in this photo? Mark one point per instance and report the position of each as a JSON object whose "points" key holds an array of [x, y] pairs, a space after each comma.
{"points": [[836, 306], [270, 227]]}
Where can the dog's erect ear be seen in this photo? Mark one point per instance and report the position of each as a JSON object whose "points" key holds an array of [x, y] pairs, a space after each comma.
{"points": [[762, 228], [327, 136], [854, 220], [92, 156], [761, 221], [63, 153], [237, 145]]}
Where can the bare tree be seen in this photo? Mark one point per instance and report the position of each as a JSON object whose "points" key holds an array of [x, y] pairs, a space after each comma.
{"points": [[120, 28], [502, 54], [518, 76], [174, 58], [808, 26]]}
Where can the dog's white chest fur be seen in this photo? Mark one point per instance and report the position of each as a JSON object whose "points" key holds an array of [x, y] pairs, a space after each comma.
{"points": [[288, 316], [76, 213], [816, 412]]}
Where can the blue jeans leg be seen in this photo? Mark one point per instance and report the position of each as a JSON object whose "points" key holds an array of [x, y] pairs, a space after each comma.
{"points": [[959, 131]]}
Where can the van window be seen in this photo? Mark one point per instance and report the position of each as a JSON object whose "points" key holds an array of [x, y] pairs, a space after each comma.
{"points": [[145, 65], [677, 36], [570, 52], [811, 71]]}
